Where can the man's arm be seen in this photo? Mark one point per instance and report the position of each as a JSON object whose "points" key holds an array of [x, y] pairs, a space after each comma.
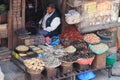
{"points": [[40, 23], [54, 24]]}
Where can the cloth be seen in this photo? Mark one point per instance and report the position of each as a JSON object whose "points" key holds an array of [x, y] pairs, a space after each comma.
{"points": [[43, 32], [47, 40], [54, 24]]}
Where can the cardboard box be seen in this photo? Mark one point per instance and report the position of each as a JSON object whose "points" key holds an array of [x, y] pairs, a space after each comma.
{"points": [[99, 61]]}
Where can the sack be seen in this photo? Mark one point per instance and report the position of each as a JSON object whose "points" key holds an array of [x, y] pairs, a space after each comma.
{"points": [[72, 17], [1, 75]]}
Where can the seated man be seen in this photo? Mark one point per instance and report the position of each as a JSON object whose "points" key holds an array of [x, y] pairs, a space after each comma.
{"points": [[51, 23]]}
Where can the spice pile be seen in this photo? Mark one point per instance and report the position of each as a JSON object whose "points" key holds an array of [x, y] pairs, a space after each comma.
{"points": [[34, 64], [71, 33], [22, 48], [40, 39], [79, 54], [91, 38], [50, 60], [69, 58], [85, 53], [35, 40], [70, 49], [79, 44]]}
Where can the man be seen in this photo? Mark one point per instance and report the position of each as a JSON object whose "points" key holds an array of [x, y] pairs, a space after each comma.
{"points": [[51, 23]]}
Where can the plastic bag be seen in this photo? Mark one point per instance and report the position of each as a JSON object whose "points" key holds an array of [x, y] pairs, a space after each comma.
{"points": [[1, 75], [55, 40], [86, 76], [99, 48]]}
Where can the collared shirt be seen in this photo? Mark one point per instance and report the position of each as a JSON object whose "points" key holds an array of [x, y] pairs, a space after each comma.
{"points": [[54, 24]]}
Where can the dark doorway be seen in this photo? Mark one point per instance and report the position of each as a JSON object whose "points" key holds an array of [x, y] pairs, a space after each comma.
{"points": [[35, 10]]}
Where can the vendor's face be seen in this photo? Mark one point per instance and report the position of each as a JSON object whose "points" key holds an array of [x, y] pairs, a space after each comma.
{"points": [[49, 10]]}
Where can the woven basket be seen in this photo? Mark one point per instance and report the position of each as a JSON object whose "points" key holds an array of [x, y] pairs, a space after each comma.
{"points": [[33, 75], [64, 63], [33, 71]]}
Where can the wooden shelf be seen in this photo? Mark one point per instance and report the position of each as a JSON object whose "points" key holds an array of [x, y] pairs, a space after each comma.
{"points": [[72, 5], [98, 27]]}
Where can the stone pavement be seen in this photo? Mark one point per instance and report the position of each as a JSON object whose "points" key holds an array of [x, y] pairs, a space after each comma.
{"points": [[103, 74], [14, 73]]}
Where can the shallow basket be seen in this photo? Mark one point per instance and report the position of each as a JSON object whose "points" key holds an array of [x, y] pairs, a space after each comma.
{"points": [[106, 38]]}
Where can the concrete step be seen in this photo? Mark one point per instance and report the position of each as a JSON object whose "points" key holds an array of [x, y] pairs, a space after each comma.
{"points": [[5, 53]]}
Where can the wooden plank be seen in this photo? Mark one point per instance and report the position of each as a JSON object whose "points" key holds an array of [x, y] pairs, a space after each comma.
{"points": [[99, 27], [23, 13], [6, 53], [14, 7], [2, 48]]}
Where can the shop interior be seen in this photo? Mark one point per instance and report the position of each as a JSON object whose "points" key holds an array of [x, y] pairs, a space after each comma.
{"points": [[4, 8], [35, 10]]}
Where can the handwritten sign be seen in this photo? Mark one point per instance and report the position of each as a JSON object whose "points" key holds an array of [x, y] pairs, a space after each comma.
{"points": [[104, 7], [90, 7]]}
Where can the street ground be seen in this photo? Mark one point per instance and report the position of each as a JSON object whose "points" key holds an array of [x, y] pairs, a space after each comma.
{"points": [[12, 72]]}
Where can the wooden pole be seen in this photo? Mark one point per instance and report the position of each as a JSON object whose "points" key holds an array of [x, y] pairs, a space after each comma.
{"points": [[10, 29], [63, 6], [23, 13], [118, 38]]}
